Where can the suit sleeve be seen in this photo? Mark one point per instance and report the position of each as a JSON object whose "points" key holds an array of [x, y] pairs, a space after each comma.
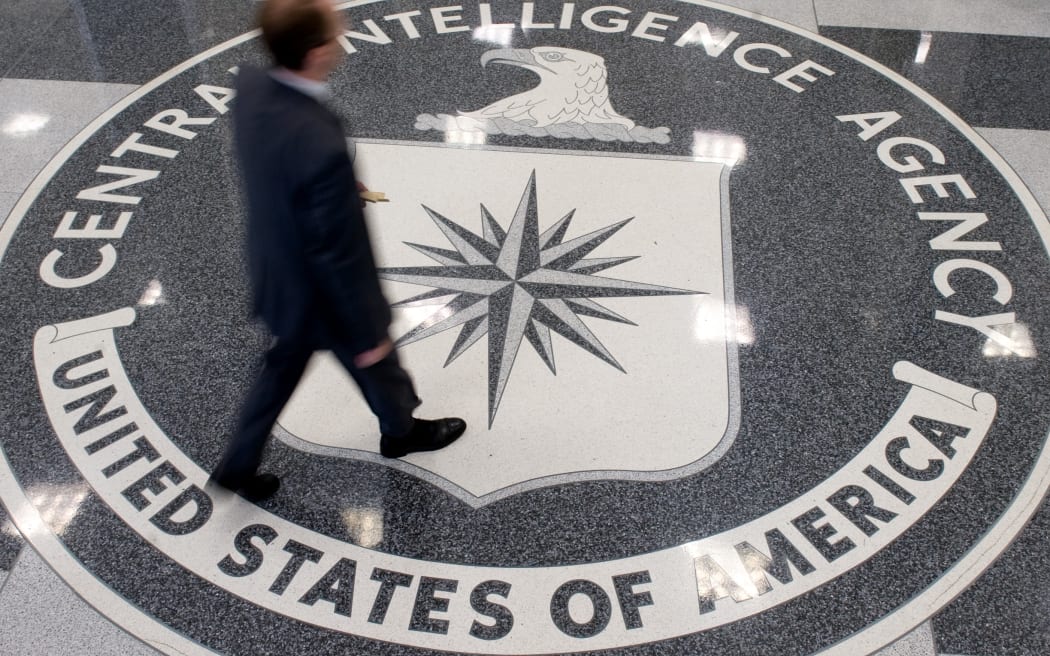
{"points": [[337, 245]]}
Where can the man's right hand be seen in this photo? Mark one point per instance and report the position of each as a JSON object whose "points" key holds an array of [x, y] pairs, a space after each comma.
{"points": [[373, 355]]}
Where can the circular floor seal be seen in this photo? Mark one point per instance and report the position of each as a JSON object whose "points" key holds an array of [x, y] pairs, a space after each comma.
{"points": [[749, 332]]}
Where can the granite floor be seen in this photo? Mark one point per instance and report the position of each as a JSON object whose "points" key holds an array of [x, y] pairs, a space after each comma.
{"points": [[769, 377]]}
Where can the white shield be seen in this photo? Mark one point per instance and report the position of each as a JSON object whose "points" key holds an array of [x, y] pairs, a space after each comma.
{"points": [[647, 390]]}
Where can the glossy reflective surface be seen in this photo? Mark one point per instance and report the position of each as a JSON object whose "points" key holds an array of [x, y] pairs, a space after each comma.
{"points": [[749, 330]]}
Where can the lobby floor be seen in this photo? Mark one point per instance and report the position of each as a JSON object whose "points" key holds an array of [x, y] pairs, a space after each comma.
{"points": [[744, 304]]}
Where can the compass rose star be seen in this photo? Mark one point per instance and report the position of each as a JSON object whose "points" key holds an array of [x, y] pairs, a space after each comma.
{"points": [[517, 284]]}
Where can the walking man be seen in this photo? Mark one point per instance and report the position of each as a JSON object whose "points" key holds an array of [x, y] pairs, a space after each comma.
{"points": [[310, 260]]}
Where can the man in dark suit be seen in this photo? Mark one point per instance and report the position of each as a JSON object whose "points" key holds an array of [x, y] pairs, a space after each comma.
{"points": [[310, 260]]}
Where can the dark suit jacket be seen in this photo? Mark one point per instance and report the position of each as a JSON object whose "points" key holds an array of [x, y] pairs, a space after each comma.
{"points": [[309, 255]]}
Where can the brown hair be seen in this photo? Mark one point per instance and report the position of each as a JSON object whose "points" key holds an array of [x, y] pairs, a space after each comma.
{"points": [[291, 28]]}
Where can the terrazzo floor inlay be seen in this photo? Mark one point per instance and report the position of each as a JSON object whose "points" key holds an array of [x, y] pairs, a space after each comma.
{"points": [[749, 332]]}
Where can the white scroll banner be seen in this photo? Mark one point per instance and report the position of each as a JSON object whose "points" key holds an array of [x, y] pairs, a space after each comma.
{"points": [[161, 493]]}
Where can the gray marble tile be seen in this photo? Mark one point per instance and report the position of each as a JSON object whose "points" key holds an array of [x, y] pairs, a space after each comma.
{"points": [[1017, 17], [128, 42], [41, 616], [1028, 152], [917, 643], [21, 22], [989, 80], [795, 12], [7, 202], [37, 119]]}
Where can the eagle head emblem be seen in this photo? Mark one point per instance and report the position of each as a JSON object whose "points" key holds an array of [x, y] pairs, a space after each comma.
{"points": [[570, 101], [573, 88]]}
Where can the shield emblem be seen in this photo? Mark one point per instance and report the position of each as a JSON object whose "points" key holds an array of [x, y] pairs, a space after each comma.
{"points": [[575, 308]]}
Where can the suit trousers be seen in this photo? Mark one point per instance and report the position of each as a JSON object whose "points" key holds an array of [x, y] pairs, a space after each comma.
{"points": [[386, 387]]}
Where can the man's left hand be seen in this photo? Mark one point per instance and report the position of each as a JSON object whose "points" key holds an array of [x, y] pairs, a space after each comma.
{"points": [[373, 355]]}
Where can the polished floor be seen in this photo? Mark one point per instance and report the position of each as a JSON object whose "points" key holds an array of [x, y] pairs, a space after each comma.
{"points": [[744, 304]]}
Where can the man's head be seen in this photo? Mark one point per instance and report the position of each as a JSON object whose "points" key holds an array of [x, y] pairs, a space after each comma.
{"points": [[301, 35]]}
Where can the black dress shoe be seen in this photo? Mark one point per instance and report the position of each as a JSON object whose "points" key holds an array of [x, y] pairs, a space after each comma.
{"points": [[426, 435], [256, 488]]}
